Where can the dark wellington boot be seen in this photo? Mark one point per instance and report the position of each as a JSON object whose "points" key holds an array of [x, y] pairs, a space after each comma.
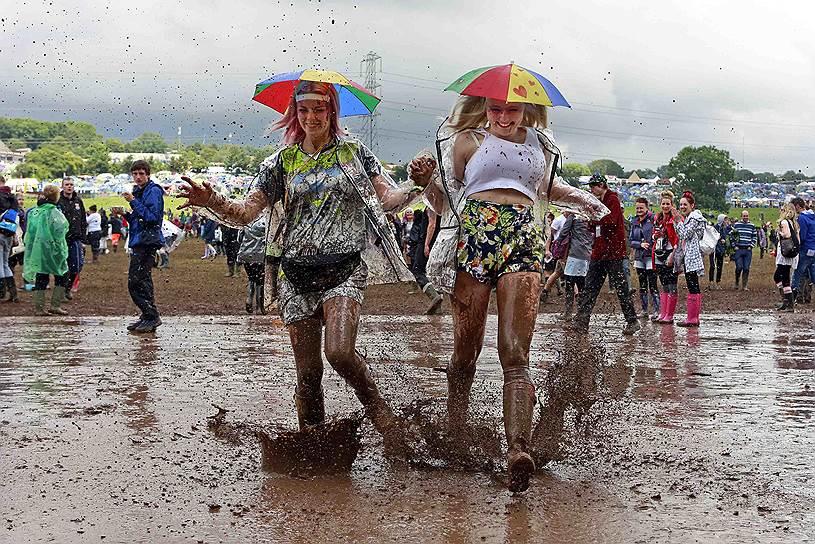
{"points": [[459, 383], [250, 296], [519, 406], [310, 409], [259, 304]]}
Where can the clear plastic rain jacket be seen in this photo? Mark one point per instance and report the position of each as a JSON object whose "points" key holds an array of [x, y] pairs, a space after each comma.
{"points": [[445, 196], [46, 249], [382, 255]]}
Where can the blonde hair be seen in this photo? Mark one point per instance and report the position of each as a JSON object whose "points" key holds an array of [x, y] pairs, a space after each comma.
{"points": [[666, 194], [51, 193], [471, 112], [787, 212]]}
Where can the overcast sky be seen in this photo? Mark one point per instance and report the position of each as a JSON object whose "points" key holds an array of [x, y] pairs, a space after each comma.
{"points": [[645, 78]]}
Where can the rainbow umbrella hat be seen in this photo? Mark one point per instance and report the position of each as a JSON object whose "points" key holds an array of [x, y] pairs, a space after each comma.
{"points": [[276, 91], [509, 83]]}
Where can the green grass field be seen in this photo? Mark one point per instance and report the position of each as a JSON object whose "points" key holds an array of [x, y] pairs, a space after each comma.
{"points": [[107, 202]]}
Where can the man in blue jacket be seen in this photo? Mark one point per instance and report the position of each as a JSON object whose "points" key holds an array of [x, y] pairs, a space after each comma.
{"points": [[806, 234], [145, 217]]}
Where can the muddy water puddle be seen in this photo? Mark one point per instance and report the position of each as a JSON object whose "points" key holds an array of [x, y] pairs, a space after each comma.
{"points": [[674, 436]]}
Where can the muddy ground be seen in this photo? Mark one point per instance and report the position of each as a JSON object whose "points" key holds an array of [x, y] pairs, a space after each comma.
{"points": [[675, 436], [195, 287]]}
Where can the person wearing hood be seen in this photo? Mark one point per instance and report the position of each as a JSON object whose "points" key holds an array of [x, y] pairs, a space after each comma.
{"points": [[724, 228], [688, 258], [806, 233], [641, 237], [46, 249], [252, 255]]}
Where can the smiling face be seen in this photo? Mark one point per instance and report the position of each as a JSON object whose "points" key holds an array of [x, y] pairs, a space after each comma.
{"points": [[665, 205], [504, 118], [685, 206], [314, 117], [641, 209], [745, 216]]}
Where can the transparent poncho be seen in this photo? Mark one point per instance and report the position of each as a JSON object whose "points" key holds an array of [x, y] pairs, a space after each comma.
{"points": [[445, 196]]}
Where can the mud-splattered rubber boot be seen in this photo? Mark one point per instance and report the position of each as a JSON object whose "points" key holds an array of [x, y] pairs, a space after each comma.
{"points": [[459, 383], [519, 405], [250, 297], [260, 303], [435, 299], [310, 408], [39, 303], [57, 296]]}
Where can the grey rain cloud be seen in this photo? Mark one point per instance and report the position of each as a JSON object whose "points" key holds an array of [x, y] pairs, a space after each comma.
{"points": [[645, 78]]}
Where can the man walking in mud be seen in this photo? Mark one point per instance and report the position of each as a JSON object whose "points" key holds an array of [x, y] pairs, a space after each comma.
{"points": [[746, 240], [806, 255], [147, 212], [72, 207], [607, 257]]}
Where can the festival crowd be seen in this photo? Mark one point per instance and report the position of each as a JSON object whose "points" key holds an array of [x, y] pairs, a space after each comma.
{"points": [[325, 220]]}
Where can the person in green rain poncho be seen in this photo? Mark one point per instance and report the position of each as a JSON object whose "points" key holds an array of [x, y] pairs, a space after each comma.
{"points": [[46, 252]]}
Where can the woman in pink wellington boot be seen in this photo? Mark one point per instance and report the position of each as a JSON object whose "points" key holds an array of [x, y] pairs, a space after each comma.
{"points": [[689, 256], [664, 246]]}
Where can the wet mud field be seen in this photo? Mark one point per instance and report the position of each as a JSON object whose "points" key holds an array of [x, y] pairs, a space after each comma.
{"points": [[673, 436]]}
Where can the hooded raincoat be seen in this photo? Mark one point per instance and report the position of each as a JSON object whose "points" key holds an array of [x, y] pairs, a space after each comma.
{"points": [[46, 249]]}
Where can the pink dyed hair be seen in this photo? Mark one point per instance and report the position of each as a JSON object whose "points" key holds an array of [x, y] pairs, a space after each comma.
{"points": [[292, 131]]}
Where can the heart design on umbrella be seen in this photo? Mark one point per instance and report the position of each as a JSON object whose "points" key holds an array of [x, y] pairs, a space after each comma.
{"points": [[520, 90], [531, 82]]}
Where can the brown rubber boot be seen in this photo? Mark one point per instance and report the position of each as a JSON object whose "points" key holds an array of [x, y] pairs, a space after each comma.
{"points": [[519, 406], [310, 409], [459, 383]]}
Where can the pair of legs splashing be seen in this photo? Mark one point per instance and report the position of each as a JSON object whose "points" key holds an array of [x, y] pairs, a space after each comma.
{"points": [[341, 316], [517, 295]]}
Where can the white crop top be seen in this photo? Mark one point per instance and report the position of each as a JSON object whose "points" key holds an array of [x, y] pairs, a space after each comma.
{"points": [[501, 164]]}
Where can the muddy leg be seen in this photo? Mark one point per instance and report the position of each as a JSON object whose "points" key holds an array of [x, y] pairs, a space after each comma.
{"points": [[470, 301], [308, 398], [341, 326], [517, 309]]}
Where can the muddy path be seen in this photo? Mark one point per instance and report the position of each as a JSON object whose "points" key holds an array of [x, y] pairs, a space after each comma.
{"points": [[674, 436]]}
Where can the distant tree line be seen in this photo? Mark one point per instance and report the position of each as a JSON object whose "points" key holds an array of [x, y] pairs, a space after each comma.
{"points": [[75, 148]]}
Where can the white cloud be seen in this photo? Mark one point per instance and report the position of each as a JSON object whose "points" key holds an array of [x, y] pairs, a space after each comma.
{"points": [[689, 71]]}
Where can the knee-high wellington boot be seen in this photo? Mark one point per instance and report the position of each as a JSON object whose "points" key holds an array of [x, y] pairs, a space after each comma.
{"points": [[519, 405]]}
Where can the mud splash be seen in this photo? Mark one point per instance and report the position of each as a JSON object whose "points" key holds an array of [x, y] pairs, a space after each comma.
{"points": [[673, 435]]}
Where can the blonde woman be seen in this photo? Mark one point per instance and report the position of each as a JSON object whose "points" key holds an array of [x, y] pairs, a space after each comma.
{"points": [[787, 238], [499, 165]]}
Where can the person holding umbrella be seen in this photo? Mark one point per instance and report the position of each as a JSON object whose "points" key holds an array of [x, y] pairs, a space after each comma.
{"points": [[326, 196], [498, 166]]}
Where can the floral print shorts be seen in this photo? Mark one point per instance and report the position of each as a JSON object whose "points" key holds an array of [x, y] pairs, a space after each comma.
{"points": [[497, 239]]}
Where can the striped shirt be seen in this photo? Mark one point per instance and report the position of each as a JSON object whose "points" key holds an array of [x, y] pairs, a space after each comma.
{"points": [[747, 234]]}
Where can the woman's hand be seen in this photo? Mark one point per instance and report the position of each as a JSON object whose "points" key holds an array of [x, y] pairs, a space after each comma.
{"points": [[421, 170], [196, 195]]}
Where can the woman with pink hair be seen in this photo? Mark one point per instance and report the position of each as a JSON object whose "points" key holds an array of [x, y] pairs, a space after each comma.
{"points": [[328, 237]]}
